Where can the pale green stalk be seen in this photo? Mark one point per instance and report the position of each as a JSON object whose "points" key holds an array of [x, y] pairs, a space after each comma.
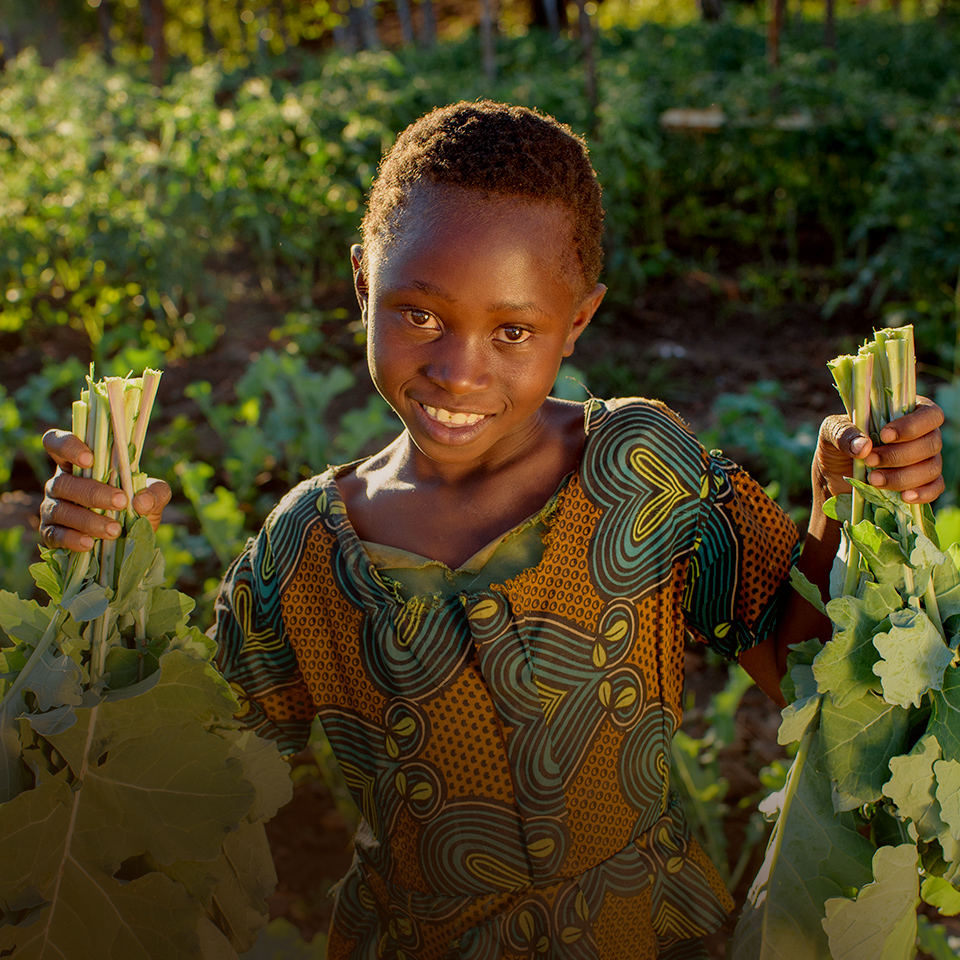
{"points": [[150, 385], [862, 381], [121, 438], [108, 549], [909, 403]]}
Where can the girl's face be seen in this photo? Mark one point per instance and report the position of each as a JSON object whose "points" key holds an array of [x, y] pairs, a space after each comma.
{"points": [[470, 309]]}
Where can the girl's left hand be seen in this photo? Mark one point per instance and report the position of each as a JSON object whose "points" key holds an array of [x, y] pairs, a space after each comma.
{"points": [[908, 459]]}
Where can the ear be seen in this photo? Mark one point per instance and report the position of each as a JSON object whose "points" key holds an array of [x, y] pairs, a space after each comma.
{"points": [[360, 284], [584, 315]]}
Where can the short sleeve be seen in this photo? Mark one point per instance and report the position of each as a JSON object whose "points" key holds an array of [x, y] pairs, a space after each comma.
{"points": [[253, 653], [740, 568]]}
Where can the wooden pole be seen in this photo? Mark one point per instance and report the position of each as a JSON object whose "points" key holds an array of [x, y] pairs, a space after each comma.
{"points": [[153, 18], [774, 29], [588, 53], [406, 22], [428, 24], [105, 23], [830, 28], [487, 41]]}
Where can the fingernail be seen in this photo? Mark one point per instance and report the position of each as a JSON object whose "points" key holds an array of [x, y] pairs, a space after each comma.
{"points": [[888, 434], [872, 461], [114, 529], [86, 543], [119, 500], [909, 495], [858, 445], [876, 478], [85, 459]]}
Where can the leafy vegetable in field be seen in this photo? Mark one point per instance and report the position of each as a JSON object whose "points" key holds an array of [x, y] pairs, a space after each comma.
{"points": [[131, 804], [868, 823]]}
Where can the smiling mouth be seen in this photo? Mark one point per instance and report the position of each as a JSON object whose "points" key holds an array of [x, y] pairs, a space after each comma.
{"points": [[450, 419]]}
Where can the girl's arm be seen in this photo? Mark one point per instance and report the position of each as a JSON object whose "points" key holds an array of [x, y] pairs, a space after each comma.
{"points": [[67, 514], [908, 460]]}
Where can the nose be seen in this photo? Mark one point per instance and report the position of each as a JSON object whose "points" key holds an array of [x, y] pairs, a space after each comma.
{"points": [[459, 364]]}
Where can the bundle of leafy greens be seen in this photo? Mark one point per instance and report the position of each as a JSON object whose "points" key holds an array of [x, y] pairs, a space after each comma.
{"points": [[868, 822], [131, 803]]}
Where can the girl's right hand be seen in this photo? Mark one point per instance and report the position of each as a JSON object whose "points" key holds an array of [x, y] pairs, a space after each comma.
{"points": [[67, 514]]}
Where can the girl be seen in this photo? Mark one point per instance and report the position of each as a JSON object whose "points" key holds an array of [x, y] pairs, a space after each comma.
{"points": [[489, 615]]}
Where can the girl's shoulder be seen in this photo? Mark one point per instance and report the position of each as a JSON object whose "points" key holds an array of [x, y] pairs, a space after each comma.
{"points": [[638, 444], [638, 417]]}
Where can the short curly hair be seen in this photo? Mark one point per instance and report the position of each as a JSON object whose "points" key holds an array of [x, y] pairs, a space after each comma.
{"points": [[498, 149]]}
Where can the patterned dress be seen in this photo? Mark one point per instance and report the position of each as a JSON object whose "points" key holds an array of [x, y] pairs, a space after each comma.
{"points": [[508, 746]]}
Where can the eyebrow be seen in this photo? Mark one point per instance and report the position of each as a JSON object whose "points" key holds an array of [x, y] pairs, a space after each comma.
{"points": [[501, 306]]}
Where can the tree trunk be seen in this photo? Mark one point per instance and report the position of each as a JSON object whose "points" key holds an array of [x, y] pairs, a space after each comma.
{"points": [[46, 33], [282, 32], [589, 59], [830, 26], [711, 9], [368, 25], [487, 43], [428, 24], [550, 14], [210, 45], [153, 17], [105, 24], [406, 22], [774, 29]]}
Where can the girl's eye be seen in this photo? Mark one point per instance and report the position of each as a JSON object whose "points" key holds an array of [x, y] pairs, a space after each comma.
{"points": [[422, 319], [514, 334]]}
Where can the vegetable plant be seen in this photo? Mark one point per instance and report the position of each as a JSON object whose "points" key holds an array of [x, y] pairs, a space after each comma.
{"points": [[131, 802], [868, 822]]}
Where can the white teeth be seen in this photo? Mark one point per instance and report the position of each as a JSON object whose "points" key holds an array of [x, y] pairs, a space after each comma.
{"points": [[453, 419]]}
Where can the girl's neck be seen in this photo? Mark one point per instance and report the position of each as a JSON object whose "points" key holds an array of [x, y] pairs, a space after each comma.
{"points": [[399, 499]]}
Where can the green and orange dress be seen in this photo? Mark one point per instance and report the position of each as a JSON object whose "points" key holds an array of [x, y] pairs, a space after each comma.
{"points": [[506, 735]]}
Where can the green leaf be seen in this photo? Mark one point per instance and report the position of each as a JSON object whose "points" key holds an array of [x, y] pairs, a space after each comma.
{"points": [[947, 773], [813, 855], [122, 666], [798, 715], [912, 787], [941, 894], [233, 887], [799, 654], [882, 553], [889, 500], [807, 590], [194, 642], [881, 923], [139, 557], [85, 911], [12, 772], [265, 768], [944, 722], [281, 940], [925, 552], [844, 666], [91, 602], [857, 743], [839, 507], [24, 620], [932, 940], [158, 778], [55, 681], [48, 580], [168, 609], [914, 658]]}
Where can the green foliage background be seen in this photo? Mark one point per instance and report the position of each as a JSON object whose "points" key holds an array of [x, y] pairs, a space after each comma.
{"points": [[127, 213]]}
